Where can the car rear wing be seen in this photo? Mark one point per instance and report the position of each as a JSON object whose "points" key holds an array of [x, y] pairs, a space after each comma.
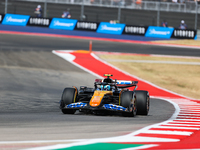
{"points": [[126, 82], [117, 83]]}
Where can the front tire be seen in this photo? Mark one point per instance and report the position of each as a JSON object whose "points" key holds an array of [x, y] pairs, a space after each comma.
{"points": [[143, 102], [128, 101], [68, 96]]}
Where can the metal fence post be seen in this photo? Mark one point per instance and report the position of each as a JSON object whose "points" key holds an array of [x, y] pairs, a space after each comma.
{"points": [[82, 10], [45, 9], [6, 6], [196, 17], [119, 12], [158, 14]]}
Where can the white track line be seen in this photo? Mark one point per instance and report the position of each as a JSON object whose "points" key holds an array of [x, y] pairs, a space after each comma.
{"points": [[171, 127], [153, 61], [188, 119], [168, 132], [196, 114], [190, 110], [186, 122], [155, 55], [141, 147], [41, 141], [172, 124]]}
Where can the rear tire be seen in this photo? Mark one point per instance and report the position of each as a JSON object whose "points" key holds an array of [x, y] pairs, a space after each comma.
{"points": [[142, 102], [128, 100], [68, 97]]}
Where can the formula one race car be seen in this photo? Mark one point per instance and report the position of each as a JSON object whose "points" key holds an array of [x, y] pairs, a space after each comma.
{"points": [[107, 95]]}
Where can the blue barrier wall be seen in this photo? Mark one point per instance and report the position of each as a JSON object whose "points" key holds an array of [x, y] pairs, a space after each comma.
{"points": [[109, 28], [103, 27], [160, 32], [12, 19], [65, 24]]}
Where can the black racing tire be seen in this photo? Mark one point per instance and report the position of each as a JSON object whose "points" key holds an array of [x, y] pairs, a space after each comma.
{"points": [[128, 100], [143, 102], [68, 97]]}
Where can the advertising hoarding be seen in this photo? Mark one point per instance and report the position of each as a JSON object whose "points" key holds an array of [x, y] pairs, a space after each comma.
{"points": [[184, 34], [135, 30], [13, 19], [1, 17], [65, 24], [159, 32], [86, 25], [41, 22], [110, 28]]}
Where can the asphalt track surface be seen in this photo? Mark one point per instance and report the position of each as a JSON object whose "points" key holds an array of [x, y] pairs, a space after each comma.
{"points": [[48, 43], [31, 84]]}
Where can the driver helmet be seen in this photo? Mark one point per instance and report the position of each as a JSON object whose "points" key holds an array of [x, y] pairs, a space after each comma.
{"points": [[107, 87]]}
